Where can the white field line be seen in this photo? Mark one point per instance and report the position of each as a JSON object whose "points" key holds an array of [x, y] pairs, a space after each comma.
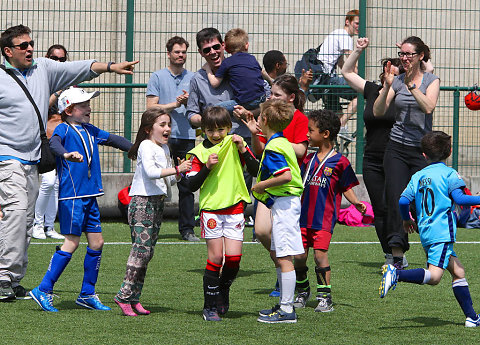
{"points": [[202, 243]]}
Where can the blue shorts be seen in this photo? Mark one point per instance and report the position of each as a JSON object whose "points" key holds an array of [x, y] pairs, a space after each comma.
{"points": [[438, 254], [79, 215]]}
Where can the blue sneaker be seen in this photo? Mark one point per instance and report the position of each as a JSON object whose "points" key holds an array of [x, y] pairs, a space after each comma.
{"points": [[389, 280], [43, 299], [91, 302], [472, 323], [276, 291], [279, 316], [265, 312], [211, 314]]}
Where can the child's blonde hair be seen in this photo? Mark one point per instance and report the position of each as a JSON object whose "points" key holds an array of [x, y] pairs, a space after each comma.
{"points": [[277, 113], [235, 40]]}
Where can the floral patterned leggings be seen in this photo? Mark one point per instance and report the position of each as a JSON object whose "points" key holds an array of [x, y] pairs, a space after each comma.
{"points": [[144, 217]]}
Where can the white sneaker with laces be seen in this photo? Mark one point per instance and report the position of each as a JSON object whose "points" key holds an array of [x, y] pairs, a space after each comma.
{"points": [[51, 233], [38, 232]]}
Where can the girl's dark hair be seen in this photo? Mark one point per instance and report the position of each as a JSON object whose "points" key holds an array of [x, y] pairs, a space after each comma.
{"points": [[56, 46], [289, 84], [436, 145], [216, 117], [420, 47], [326, 120], [148, 119], [395, 62]]}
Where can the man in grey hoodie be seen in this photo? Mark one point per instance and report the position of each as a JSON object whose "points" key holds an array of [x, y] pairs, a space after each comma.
{"points": [[20, 142]]}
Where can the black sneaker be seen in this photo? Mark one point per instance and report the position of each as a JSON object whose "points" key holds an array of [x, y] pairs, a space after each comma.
{"points": [[190, 237], [6, 291], [21, 292]]}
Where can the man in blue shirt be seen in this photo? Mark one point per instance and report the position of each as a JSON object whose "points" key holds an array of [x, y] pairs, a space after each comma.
{"points": [[20, 142], [168, 89], [434, 190]]}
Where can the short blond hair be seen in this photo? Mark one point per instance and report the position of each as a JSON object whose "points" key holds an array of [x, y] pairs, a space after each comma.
{"points": [[235, 40], [277, 113]]}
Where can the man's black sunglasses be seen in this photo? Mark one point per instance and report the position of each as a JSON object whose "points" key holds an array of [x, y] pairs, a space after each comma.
{"points": [[206, 50], [56, 58], [24, 45]]}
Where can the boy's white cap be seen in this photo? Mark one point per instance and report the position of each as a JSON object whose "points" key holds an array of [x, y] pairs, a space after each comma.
{"points": [[74, 95]]}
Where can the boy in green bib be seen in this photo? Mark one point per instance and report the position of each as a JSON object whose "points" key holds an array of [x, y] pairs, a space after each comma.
{"points": [[217, 170], [279, 186]]}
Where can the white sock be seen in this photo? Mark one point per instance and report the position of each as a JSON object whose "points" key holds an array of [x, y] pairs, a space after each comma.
{"points": [[287, 291], [279, 278], [427, 277]]}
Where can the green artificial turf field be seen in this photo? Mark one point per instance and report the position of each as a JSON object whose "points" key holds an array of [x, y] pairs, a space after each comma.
{"points": [[411, 314]]}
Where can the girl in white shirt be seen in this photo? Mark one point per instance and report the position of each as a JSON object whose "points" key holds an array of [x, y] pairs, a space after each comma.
{"points": [[151, 184]]}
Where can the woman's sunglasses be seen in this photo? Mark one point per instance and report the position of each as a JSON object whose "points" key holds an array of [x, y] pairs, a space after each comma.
{"points": [[56, 58]]}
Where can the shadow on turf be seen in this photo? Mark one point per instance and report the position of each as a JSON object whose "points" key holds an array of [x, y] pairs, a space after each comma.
{"points": [[230, 315], [422, 322]]}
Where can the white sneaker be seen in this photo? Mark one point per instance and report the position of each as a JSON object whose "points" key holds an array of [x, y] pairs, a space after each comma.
{"points": [[51, 233], [38, 232]]}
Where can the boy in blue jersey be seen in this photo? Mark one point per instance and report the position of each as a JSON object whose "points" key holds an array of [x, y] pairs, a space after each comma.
{"points": [[279, 186], [434, 190], [75, 143]]}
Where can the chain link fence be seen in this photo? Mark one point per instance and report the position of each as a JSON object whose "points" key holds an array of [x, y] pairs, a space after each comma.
{"points": [[117, 30]]}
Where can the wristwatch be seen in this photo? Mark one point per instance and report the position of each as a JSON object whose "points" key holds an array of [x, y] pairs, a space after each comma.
{"points": [[412, 87]]}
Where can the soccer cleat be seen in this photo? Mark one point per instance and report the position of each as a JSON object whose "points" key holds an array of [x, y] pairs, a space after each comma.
{"points": [[91, 302], [43, 299], [38, 232], [276, 291], [472, 323], [389, 280], [6, 291], [325, 304], [51, 233], [265, 312], [301, 299], [279, 316], [140, 309], [21, 292], [404, 262], [388, 259], [126, 308], [211, 314]]}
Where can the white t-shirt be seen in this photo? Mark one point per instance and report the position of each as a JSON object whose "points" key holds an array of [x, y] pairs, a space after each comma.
{"points": [[335, 45], [151, 159]]}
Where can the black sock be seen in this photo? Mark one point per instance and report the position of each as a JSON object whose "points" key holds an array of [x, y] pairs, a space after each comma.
{"points": [[211, 283], [303, 285]]}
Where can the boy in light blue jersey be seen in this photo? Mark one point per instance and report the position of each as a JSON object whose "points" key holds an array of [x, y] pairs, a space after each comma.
{"points": [[435, 190], [75, 143]]}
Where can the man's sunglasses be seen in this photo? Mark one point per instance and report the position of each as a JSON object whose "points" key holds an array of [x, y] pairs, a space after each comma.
{"points": [[206, 50], [56, 58], [24, 45]]}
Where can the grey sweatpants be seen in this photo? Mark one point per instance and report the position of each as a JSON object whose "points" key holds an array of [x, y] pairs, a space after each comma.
{"points": [[18, 193]]}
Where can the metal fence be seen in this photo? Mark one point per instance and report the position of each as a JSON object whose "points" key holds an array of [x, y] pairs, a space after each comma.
{"points": [[112, 30]]}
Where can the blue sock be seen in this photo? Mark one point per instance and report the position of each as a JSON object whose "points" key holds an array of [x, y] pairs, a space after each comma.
{"points": [[462, 294], [91, 265], [58, 262], [415, 276]]}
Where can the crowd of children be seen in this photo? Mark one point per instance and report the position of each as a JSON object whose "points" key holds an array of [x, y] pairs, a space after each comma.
{"points": [[300, 193]]}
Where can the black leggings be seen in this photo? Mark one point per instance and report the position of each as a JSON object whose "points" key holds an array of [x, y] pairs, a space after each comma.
{"points": [[400, 163], [374, 179]]}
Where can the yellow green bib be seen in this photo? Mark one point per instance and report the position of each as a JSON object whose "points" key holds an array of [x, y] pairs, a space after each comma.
{"points": [[293, 188], [225, 186]]}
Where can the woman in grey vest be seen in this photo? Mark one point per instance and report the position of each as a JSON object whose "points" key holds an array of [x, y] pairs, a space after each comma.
{"points": [[415, 94]]}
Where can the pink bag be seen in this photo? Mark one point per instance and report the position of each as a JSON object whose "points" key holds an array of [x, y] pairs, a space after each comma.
{"points": [[352, 217]]}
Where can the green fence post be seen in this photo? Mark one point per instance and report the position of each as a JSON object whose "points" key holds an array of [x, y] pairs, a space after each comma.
{"points": [[362, 32], [456, 124], [127, 119]]}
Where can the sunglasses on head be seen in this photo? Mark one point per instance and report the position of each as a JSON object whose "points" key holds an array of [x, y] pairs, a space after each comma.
{"points": [[24, 45], [206, 50], [56, 58]]}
